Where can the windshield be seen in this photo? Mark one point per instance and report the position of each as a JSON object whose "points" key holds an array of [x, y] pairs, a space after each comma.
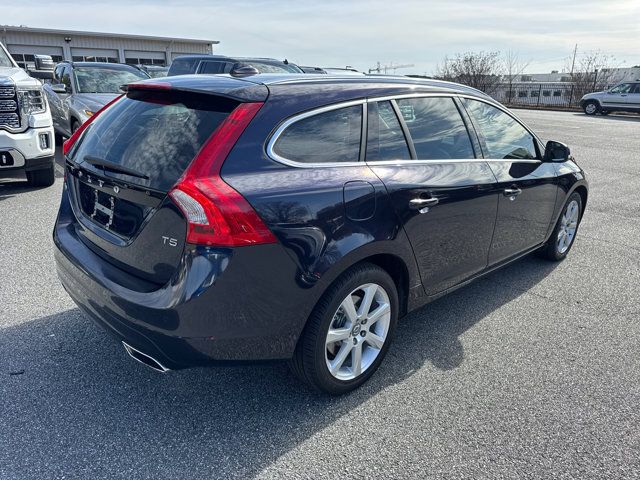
{"points": [[5, 61], [272, 68], [104, 79]]}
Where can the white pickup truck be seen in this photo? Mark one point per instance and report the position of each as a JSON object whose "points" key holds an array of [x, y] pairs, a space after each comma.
{"points": [[27, 141]]}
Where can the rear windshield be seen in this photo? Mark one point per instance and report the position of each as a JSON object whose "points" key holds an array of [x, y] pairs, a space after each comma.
{"points": [[154, 134]]}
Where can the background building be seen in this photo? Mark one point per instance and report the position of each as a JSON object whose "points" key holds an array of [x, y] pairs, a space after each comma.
{"points": [[23, 42]]}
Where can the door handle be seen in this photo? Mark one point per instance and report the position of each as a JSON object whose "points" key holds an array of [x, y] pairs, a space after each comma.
{"points": [[423, 202], [512, 192]]}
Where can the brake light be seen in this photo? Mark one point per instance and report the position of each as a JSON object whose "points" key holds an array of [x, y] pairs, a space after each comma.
{"points": [[216, 213], [66, 146]]}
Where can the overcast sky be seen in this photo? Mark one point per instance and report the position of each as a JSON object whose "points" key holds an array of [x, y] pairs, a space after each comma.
{"points": [[360, 33]]}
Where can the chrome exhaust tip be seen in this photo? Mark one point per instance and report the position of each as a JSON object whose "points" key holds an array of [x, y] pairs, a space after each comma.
{"points": [[145, 359]]}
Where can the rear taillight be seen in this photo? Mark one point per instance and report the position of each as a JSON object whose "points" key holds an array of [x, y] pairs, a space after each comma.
{"points": [[216, 213], [66, 146]]}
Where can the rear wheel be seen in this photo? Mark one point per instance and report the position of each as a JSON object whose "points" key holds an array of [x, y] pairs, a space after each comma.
{"points": [[41, 178], [75, 125], [349, 332], [591, 107], [561, 240]]}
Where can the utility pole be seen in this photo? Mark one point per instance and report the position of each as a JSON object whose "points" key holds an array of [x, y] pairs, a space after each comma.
{"points": [[573, 62]]}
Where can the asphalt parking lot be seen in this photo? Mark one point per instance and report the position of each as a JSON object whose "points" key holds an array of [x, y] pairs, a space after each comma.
{"points": [[532, 372]]}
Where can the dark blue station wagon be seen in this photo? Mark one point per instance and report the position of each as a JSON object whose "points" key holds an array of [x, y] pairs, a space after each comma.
{"points": [[212, 219]]}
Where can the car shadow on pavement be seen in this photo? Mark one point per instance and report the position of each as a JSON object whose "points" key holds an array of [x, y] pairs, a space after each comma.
{"points": [[613, 116], [73, 404]]}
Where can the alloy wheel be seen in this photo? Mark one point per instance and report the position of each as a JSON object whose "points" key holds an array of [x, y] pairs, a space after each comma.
{"points": [[591, 108], [568, 226], [358, 331]]}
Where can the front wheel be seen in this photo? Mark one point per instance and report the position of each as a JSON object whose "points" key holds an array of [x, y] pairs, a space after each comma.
{"points": [[591, 107], [561, 240], [349, 332]]}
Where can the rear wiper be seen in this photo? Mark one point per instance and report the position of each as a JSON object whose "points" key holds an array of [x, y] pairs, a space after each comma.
{"points": [[113, 167]]}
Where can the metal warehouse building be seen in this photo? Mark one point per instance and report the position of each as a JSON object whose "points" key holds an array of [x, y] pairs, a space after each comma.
{"points": [[23, 42]]}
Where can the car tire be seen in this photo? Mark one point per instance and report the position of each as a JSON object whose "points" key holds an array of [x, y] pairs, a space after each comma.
{"points": [[591, 107], [325, 343], [565, 231], [41, 178], [75, 125]]}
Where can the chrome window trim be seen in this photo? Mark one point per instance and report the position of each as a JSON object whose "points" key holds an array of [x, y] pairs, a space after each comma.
{"points": [[375, 163], [311, 113], [292, 163]]}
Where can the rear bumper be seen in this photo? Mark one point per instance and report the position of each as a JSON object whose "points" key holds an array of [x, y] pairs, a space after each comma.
{"points": [[221, 305]]}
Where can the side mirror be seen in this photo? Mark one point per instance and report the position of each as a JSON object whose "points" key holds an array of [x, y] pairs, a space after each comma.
{"points": [[43, 62], [42, 67], [556, 152], [59, 88], [243, 70]]}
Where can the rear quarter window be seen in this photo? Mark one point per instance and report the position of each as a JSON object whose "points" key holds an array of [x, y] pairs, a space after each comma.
{"points": [[327, 137]]}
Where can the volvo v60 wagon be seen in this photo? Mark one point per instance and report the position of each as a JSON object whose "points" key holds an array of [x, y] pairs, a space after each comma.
{"points": [[211, 219]]}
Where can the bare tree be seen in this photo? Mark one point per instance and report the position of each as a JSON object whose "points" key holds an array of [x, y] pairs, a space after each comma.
{"points": [[513, 67], [479, 70], [593, 71]]}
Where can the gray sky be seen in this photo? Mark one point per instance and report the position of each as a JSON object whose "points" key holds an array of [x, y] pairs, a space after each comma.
{"points": [[360, 33]]}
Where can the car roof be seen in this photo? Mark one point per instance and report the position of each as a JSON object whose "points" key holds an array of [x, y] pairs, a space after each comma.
{"points": [[363, 82], [204, 56], [345, 87]]}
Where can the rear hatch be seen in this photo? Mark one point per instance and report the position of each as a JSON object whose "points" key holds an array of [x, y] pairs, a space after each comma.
{"points": [[123, 165]]}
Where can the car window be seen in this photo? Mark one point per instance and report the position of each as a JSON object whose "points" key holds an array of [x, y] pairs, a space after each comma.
{"points": [[156, 133], [385, 138], [271, 67], [622, 88], [212, 67], [57, 73], [5, 61], [183, 66], [66, 78], [328, 137], [436, 128], [504, 137], [636, 89], [105, 80]]}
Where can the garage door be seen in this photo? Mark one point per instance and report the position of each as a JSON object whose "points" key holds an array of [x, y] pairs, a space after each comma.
{"points": [[94, 55], [23, 54], [139, 57]]}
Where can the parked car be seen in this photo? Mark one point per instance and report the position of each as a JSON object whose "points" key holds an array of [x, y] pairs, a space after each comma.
{"points": [[80, 89], [209, 218], [154, 71], [624, 97], [26, 134], [215, 64]]}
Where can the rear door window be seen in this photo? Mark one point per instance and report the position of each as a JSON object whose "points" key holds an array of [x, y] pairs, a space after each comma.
{"points": [[436, 127], [183, 66], [212, 67], [503, 136], [156, 134], [328, 137], [385, 138]]}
